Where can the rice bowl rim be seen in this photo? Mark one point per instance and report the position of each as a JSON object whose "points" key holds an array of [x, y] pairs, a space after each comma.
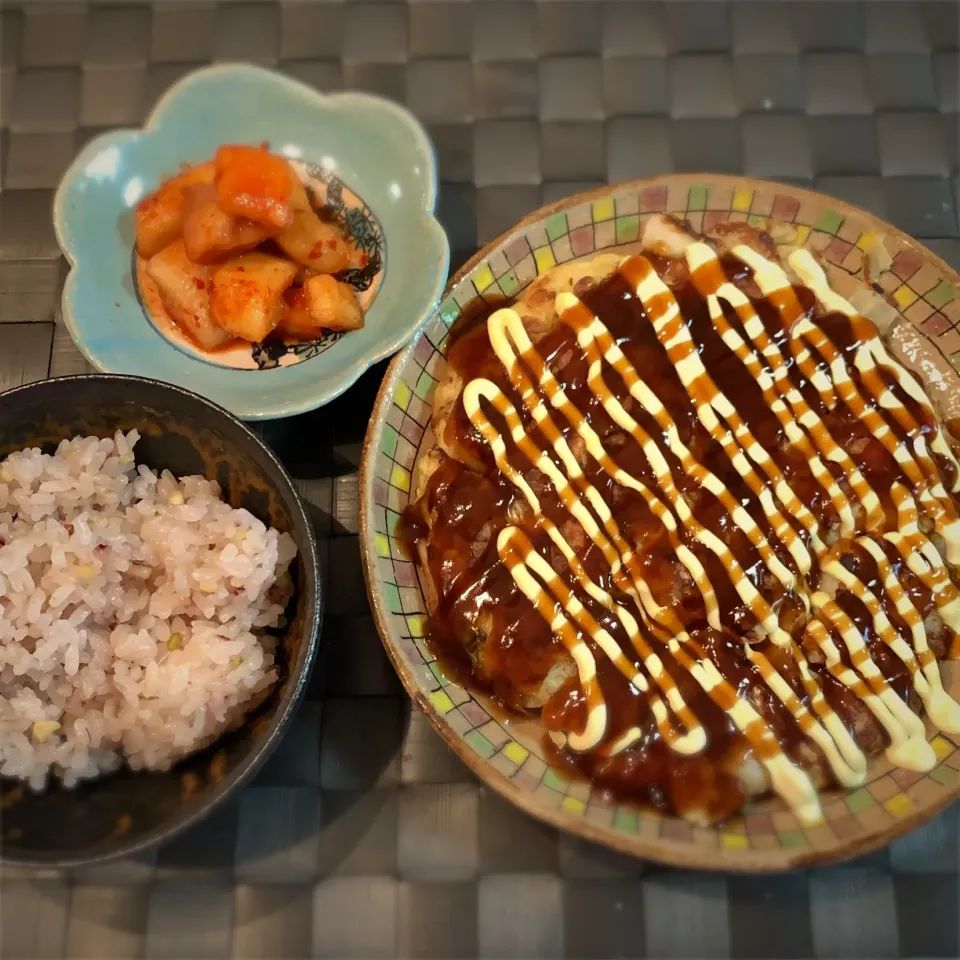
{"points": [[298, 674]]}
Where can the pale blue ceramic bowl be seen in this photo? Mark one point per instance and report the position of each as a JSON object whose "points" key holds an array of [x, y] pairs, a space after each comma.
{"points": [[376, 148]]}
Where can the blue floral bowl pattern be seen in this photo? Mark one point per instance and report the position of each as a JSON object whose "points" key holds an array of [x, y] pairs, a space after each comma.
{"points": [[366, 155]]}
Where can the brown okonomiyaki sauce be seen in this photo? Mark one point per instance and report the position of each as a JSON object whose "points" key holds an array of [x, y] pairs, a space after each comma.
{"points": [[491, 636]]}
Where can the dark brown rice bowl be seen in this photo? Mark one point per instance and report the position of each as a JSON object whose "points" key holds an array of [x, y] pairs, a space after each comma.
{"points": [[125, 812]]}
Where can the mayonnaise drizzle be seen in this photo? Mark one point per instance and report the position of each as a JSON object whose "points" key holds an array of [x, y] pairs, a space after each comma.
{"points": [[857, 506]]}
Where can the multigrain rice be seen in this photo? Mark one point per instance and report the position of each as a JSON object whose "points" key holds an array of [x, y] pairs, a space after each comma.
{"points": [[132, 611]]}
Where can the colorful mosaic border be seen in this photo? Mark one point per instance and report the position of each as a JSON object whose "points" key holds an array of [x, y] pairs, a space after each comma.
{"points": [[847, 241]]}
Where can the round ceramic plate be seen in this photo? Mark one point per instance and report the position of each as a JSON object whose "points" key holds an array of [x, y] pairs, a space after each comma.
{"points": [[506, 752]]}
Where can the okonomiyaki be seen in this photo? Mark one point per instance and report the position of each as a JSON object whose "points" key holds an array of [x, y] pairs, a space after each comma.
{"points": [[689, 507]]}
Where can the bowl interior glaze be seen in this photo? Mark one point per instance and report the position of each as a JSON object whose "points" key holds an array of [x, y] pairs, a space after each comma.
{"points": [[127, 811]]}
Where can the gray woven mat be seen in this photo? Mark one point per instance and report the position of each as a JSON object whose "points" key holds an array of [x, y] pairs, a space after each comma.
{"points": [[365, 836]]}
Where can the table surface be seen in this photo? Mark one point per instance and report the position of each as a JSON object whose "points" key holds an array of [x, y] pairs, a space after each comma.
{"points": [[364, 835]]}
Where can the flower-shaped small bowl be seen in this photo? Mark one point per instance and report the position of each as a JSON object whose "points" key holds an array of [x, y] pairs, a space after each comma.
{"points": [[367, 155]]}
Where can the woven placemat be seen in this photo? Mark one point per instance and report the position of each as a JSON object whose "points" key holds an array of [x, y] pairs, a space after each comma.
{"points": [[365, 836]]}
